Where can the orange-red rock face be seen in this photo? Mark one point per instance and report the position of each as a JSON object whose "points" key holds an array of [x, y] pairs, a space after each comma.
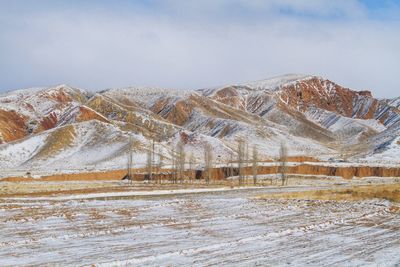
{"points": [[60, 96], [12, 126], [177, 113], [308, 93], [329, 96], [48, 122], [229, 96], [86, 114]]}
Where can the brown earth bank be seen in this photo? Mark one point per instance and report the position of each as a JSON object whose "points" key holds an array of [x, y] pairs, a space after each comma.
{"points": [[355, 193], [43, 189], [222, 173], [307, 169]]}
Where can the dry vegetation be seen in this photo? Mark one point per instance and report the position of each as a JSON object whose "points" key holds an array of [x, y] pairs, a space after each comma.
{"points": [[12, 189], [57, 141], [355, 193]]}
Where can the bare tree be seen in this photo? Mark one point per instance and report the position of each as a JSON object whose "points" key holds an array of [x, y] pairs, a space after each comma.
{"points": [[180, 161], [173, 166], [247, 154], [255, 164], [208, 159], [192, 162], [241, 154], [130, 159], [149, 163], [283, 162], [132, 146], [153, 156], [160, 163], [230, 172]]}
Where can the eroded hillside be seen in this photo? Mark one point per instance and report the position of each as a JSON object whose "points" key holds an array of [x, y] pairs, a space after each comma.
{"points": [[67, 128]]}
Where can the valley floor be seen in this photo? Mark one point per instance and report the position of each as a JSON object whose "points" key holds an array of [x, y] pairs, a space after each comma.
{"points": [[185, 225]]}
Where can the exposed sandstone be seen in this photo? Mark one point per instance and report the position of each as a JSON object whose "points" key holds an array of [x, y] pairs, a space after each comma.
{"points": [[12, 126], [224, 172]]}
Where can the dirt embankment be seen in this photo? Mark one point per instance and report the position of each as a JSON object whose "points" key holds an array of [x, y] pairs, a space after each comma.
{"points": [[224, 172], [307, 169]]}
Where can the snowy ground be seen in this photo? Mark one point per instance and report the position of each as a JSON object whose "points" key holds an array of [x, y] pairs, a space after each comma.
{"points": [[221, 228]]}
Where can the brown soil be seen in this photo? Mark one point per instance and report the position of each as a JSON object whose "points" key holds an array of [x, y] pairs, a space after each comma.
{"points": [[389, 192], [87, 114], [57, 140], [222, 173]]}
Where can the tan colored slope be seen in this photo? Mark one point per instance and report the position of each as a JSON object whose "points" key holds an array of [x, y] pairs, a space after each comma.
{"points": [[57, 141], [253, 104], [135, 119], [180, 111]]}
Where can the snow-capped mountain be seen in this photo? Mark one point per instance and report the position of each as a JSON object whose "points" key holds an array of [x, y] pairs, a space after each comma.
{"points": [[62, 127]]}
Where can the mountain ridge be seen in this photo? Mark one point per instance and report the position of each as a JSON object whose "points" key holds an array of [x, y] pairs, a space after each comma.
{"points": [[313, 115]]}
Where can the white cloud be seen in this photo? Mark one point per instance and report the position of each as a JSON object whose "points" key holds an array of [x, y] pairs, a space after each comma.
{"points": [[199, 44]]}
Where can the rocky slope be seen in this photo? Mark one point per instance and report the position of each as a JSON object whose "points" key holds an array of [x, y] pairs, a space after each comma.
{"points": [[62, 127]]}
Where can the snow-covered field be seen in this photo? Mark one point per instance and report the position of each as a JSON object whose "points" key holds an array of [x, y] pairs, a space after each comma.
{"points": [[220, 228]]}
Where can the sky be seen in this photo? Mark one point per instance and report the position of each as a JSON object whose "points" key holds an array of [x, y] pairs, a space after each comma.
{"points": [[191, 44]]}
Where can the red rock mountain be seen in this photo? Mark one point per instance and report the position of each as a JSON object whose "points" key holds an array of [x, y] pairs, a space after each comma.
{"points": [[65, 127]]}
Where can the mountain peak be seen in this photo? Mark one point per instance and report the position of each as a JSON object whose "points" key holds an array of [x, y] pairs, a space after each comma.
{"points": [[276, 82]]}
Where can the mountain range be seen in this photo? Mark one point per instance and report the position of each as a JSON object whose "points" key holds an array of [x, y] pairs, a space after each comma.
{"points": [[65, 128]]}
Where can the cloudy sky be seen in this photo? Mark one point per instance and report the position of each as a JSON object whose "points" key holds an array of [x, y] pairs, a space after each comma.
{"points": [[197, 44]]}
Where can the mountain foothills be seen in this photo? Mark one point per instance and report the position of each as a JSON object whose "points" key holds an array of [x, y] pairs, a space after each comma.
{"points": [[65, 128]]}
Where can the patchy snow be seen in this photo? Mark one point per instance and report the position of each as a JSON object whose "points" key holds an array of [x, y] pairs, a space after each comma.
{"points": [[278, 82], [227, 228], [395, 102], [146, 96], [344, 127], [388, 154], [271, 84], [252, 115], [130, 194], [18, 152], [35, 103]]}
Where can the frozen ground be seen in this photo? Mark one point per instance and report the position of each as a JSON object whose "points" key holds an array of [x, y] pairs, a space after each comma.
{"points": [[225, 228]]}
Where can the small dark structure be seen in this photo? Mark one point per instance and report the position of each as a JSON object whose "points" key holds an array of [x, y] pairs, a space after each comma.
{"points": [[199, 174], [126, 177]]}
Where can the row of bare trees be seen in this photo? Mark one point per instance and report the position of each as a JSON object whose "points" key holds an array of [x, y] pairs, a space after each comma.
{"points": [[179, 160]]}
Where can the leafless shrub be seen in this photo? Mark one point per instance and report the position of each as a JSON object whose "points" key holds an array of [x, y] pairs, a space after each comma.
{"points": [[255, 164], [192, 162], [180, 161], [283, 162], [208, 159], [240, 155]]}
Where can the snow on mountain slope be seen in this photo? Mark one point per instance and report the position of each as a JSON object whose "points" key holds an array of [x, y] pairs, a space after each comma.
{"points": [[213, 118], [67, 146], [39, 102], [355, 130], [80, 114], [80, 146], [66, 128], [133, 118], [347, 114], [384, 147], [144, 96], [271, 84], [16, 153], [395, 102], [35, 110], [277, 82]]}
